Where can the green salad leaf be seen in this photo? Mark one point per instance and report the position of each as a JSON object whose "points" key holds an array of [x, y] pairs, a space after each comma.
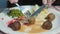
{"points": [[15, 13]]}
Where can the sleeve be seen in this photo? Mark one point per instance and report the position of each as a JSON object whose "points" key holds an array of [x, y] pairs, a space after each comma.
{"points": [[56, 3], [9, 5], [30, 2], [25, 2]]}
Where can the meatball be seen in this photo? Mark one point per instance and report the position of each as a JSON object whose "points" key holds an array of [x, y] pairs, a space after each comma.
{"points": [[50, 17], [15, 26], [32, 20], [47, 25]]}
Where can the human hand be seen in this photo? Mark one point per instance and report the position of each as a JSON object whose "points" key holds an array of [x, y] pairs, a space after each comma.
{"points": [[13, 1], [48, 2]]}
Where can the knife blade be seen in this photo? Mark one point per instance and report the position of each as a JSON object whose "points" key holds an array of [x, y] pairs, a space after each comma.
{"points": [[17, 4], [38, 11]]}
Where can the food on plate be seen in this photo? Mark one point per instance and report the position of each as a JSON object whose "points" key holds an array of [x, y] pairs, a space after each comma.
{"points": [[15, 13], [35, 24], [32, 20], [50, 17], [22, 18], [47, 25], [15, 26], [27, 24]]}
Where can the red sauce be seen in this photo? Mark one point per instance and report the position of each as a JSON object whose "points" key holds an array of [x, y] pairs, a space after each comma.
{"points": [[27, 24], [10, 22]]}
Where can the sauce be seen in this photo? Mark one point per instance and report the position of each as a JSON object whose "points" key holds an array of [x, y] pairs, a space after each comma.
{"points": [[36, 28], [22, 28]]}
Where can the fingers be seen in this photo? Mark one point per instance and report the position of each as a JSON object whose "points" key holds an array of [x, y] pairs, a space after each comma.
{"points": [[44, 1], [54, 0], [50, 2], [13, 1]]}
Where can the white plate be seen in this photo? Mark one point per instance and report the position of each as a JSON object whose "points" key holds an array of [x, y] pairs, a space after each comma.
{"points": [[55, 29]]}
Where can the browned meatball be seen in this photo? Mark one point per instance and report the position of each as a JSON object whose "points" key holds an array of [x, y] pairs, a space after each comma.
{"points": [[47, 25], [32, 20], [50, 17], [15, 26]]}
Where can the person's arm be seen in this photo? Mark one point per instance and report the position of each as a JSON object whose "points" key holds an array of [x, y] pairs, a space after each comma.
{"points": [[56, 3], [30, 2], [9, 5]]}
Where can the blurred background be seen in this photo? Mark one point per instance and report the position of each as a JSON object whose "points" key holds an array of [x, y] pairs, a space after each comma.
{"points": [[3, 3]]}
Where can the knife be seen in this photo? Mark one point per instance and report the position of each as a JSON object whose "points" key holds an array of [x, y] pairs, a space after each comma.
{"points": [[17, 4], [35, 13], [38, 11]]}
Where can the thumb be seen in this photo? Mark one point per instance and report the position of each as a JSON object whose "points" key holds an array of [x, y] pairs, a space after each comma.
{"points": [[13, 1], [53, 1], [44, 1], [50, 2]]}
